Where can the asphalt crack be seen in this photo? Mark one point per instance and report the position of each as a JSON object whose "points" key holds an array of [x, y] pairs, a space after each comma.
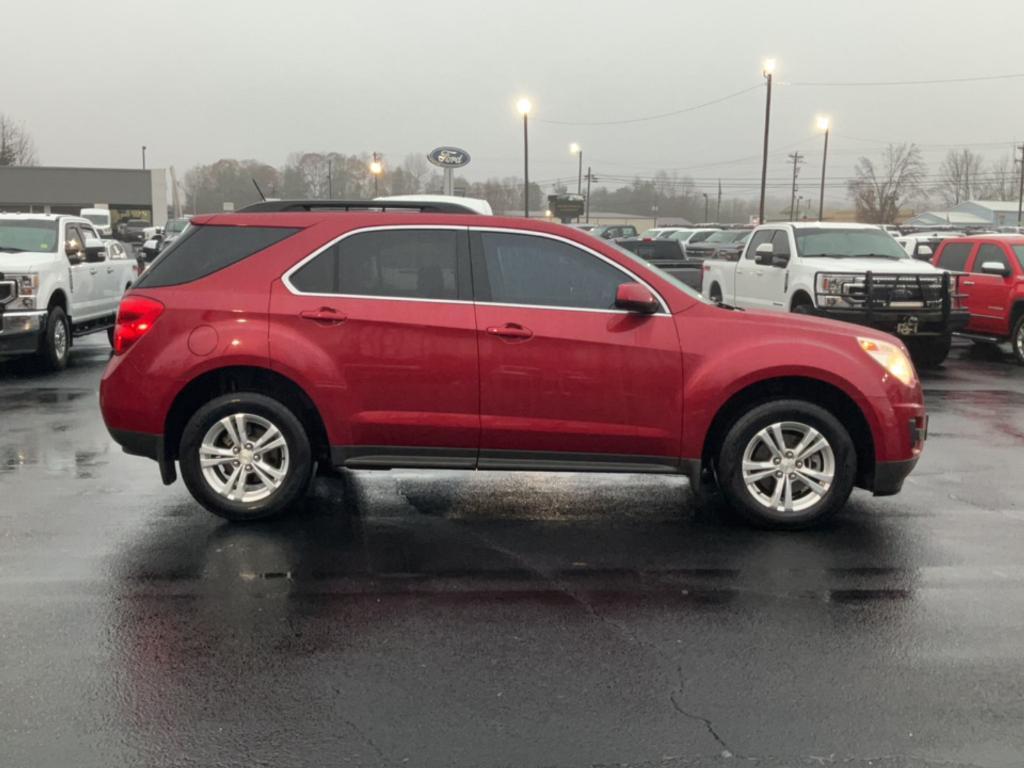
{"points": [[726, 752]]}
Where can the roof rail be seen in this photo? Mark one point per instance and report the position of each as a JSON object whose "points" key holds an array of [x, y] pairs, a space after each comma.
{"points": [[309, 206]]}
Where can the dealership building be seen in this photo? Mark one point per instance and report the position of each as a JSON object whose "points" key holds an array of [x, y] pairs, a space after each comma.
{"points": [[127, 192]]}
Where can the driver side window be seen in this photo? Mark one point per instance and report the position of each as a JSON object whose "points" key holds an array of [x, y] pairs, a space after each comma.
{"points": [[73, 240], [762, 236]]}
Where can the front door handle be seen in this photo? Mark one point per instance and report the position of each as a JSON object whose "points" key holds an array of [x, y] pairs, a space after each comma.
{"points": [[967, 282], [324, 316], [92, 271], [110, 270], [510, 331]]}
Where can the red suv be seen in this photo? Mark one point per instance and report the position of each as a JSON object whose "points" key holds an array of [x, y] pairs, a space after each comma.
{"points": [[993, 292], [265, 343]]}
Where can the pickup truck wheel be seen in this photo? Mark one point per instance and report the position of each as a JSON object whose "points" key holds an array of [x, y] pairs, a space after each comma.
{"points": [[929, 351], [245, 456], [55, 344], [715, 294], [786, 464], [1018, 339]]}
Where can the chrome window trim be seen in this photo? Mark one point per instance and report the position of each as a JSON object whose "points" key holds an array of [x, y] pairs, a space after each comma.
{"points": [[286, 277]]}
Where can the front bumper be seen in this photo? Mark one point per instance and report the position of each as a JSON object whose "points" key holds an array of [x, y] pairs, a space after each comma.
{"points": [[20, 331], [928, 322]]}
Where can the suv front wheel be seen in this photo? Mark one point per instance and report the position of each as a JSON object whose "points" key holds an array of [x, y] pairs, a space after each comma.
{"points": [[245, 456], [786, 464]]}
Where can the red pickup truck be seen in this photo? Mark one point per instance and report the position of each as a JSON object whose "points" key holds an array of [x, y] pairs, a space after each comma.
{"points": [[993, 291]]}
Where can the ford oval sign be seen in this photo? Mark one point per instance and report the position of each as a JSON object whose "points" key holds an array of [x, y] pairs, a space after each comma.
{"points": [[449, 157]]}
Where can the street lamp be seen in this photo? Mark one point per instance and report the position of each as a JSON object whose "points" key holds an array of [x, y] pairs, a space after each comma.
{"points": [[705, 205], [823, 125], [768, 69], [376, 168], [524, 107], [576, 149], [143, 157]]}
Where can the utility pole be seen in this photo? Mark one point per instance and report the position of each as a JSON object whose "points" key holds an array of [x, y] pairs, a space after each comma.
{"points": [[797, 158], [590, 176], [1020, 197], [718, 205]]}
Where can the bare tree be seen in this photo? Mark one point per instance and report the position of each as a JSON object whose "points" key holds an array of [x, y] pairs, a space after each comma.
{"points": [[960, 176], [1002, 181], [880, 193], [16, 146]]}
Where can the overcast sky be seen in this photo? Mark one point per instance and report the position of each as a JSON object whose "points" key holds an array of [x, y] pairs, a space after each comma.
{"points": [[198, 81]]}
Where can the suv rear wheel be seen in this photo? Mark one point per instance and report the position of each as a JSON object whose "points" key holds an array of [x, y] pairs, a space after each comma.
{"points": [[787, 464], [245, 456]]}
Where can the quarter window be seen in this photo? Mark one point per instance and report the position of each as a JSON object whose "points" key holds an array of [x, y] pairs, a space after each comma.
{"points": [[954, 256], [539, 271], [398, 263], [987, 253]]}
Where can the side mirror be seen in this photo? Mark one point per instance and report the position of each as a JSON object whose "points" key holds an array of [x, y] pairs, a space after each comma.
{"points": [[995, 268], [634, 297], [925, 252], [95, 250], [763, 254]]}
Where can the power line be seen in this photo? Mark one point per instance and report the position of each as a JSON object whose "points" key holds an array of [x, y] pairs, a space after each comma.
{"points": [[660, 116]]}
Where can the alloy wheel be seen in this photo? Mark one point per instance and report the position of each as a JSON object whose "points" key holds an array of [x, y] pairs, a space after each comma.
{"points": [[788, 466], [244, 457]]}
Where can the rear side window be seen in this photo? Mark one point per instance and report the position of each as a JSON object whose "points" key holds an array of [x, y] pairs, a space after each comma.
{"points": [[398, 263], [203, 250], [954, 256]]}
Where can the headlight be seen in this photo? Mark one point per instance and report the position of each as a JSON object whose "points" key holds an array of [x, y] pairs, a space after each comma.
{"points": [[835, 284], [891, 358], [28, 285]]}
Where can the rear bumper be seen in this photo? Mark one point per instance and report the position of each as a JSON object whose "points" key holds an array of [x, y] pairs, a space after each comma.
{"points": [[20, 332]]}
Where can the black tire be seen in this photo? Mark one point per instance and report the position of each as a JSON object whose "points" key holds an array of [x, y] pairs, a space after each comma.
{"points": [[715, 293], [929, 351], [55, 343], [803, 308], [1017, 340], [298, 473], [743, 433]]}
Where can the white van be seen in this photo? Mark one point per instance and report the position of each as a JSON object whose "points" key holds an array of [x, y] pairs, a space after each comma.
{"points": [[100, 218]]}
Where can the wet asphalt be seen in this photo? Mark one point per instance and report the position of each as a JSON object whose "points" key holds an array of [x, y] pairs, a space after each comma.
{"points": [[502, 619]]}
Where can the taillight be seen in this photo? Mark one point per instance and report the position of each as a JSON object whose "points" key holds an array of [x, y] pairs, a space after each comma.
{"points": [[134, 319]]}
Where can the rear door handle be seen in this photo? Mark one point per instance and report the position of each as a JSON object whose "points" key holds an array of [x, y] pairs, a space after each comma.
{"points": [[92, 271], [510, 331], [324, 316]]}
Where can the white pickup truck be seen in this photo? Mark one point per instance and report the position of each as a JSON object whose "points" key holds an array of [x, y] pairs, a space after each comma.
{"points": [[852, 272], [58, 281]]}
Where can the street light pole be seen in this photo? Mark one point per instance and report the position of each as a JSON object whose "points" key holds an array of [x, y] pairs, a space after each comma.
{"points": [[524, 106], [769, 69], [823, 124], [1020, 198], [589, 174], [376, 168], [577, 150], [143, 157], [705, 205]]}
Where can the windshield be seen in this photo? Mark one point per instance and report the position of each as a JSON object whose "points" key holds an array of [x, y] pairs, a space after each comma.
{"points": [[176, 226], [652, 233], [98, 218], [137, 223], [661, 273], [37, 235], [679, 234], [847, 243]]}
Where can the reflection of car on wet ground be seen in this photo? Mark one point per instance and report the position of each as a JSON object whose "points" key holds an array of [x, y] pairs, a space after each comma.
{"points": [[553, 351]]}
